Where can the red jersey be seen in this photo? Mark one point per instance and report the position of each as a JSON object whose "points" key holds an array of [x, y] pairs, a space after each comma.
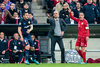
{"points": [[83, 27]]}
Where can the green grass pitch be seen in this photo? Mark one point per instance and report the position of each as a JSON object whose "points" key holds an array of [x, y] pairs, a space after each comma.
{"points": [[50, 65]]}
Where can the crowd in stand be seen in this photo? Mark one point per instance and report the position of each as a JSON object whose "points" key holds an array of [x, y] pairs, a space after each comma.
{"points": [[11, 11], [91, 9]]}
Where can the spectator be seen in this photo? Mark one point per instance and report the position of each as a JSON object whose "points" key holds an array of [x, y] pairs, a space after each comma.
{"points": [[71, 20], [4, 14], [44, 4], [50, 5], [7, 4], [12, 9], [16, 19], [77, 10], [3, 46], [64, 14], [95, 2], [83, 2], [59, 6], [16, 48], [1, 1], [68, 1], [13, 1], [98, 7], [26, 8], [90, 12], [37, 48], [56, 1], [73, 4], [32, 18], [20, 4], [0, 5]]}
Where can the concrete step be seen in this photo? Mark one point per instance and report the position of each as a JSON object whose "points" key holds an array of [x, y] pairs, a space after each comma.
{"points": [[39, 11], [41, 19], [39, 15]]}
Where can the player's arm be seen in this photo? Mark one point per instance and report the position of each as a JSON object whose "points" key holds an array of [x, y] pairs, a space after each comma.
{"points": [[72, 17], [87, 29], [20, 33], [31, 28]]}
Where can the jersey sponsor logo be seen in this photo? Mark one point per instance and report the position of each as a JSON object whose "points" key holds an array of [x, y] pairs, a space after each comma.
{"points": [[82, 23], [29, 22], [34, 43], [19, 43], [27, 26]]}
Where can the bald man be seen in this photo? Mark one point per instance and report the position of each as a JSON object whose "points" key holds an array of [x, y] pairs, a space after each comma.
{"points": [[16, 47], [58, 26]]}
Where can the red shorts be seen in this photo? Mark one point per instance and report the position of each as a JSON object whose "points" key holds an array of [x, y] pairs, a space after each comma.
{"points": [[81, 42]]}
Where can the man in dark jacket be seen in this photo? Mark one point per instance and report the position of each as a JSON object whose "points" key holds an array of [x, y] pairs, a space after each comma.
{"points": [[3, 46], [77, 10], [16, 47], [64, 14], [37, 48], [90, 12], [58, 26]]}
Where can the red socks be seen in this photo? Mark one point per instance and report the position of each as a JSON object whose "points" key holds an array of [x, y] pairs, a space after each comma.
{"points": [[80, 53], [84, 56]]}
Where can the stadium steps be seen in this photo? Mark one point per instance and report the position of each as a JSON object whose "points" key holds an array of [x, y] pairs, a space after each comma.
{"points": [[40, 14]]}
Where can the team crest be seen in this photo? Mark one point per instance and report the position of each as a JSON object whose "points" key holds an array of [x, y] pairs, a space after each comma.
{"points": [[35, 43], [4, 40], [29, 22], [19, 43]]}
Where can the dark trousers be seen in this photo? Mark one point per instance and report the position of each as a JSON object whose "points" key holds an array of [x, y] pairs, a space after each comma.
{"points": [[20, 57], [57, 39], [38, 55]]}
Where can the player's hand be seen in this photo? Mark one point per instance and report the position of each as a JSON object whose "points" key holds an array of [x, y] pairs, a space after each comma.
{"points": [[28, 31], [62, 33], [87, 38], [69, 10], [3, 52], [15, 51], [22, 39]]}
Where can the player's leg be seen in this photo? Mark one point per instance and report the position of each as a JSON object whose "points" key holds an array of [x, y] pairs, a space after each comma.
{"points": [[83, 46], [77, 47], [27, 47], [83, 53]]}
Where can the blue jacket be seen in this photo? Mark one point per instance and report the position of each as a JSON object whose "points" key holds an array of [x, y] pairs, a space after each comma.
{"points": [[90, 12]]}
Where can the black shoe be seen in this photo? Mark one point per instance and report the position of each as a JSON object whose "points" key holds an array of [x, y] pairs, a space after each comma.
{"points": [[62, 62], [54, 61]]}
